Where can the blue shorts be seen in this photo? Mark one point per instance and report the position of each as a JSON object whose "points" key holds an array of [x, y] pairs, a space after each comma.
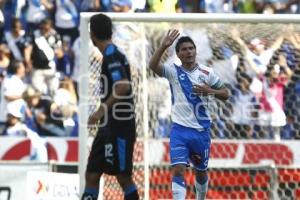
{"points": [[188, 145]]}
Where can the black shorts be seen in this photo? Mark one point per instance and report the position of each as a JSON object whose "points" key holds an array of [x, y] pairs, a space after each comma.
{"points": [[112, 151]]}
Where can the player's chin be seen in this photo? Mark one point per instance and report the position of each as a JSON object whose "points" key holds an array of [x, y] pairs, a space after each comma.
{"points": [[190, 60]]}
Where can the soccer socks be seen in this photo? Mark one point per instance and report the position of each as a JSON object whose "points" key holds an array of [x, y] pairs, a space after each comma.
{"points": [[131, 193], [90, 194], [201, 188], [178, 188]]}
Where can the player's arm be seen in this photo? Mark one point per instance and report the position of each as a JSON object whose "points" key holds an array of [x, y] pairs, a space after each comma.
{"points": [[276, 45], [121, 88], [167, 41], [221, 93], [236, 36]]}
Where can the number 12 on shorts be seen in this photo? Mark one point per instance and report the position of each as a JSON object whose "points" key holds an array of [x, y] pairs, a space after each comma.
{"points": [[108, 150]]}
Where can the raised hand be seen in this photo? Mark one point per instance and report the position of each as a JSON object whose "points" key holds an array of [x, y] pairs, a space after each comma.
{"points": [[171, 36], [235, 33]]}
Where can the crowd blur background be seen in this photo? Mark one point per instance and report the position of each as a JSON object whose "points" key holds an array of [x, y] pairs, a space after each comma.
{"points": [[39, 67]]}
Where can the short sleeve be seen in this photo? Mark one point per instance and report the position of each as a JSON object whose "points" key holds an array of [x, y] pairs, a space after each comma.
{"points": [[214, 81], [168, 71], [117, 70]]}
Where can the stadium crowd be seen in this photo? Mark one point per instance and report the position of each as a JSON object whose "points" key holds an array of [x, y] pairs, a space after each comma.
{"points": [[39, 67]]}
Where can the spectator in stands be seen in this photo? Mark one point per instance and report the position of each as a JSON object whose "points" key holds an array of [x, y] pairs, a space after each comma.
{"points": [[44, 114], [66, 101], [89, 6], [116, 5], [18, 43], [295, 6], [272, 115], [162, 6], [245, 107], [12, 9], [288, 131], [15, 114], [138, 5], [64, 65], [246, 6], [187, 6], [162, 102], [47, 47], [37, 11], [15, 127], [4, 58], [66, 19], [12, 87], [256, 53], [283, 6], [218, 6], [66, 87]]}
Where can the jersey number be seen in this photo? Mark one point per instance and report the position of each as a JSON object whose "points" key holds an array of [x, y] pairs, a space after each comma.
{"points": [[108, 150]]}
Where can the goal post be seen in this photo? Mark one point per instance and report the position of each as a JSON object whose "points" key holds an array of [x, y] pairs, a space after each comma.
{"points": [[138, 35]]}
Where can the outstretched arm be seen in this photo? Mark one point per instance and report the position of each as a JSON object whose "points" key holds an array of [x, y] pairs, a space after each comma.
{"points": [[276, 45], [283, 63], [236, 36], [167, 41]]}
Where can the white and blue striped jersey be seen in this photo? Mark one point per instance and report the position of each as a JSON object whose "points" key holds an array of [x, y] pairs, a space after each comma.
{"points": [[186, 111]]}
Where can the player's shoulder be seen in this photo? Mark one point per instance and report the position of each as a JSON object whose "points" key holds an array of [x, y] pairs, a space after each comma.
{"points": [[205, 69], [169, 69], [121, 54]]}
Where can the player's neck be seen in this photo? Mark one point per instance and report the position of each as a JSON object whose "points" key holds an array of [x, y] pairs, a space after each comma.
{"points": [[189, 66], [103, 44]]}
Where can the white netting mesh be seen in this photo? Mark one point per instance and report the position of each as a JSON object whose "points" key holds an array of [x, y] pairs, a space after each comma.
{"points": [[217, 48]]}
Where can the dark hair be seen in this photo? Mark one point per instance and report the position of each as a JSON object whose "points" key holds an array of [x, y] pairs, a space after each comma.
{"points": [[45, 21], [13, 66], [14, 21], [182, 40], [101, 26]]}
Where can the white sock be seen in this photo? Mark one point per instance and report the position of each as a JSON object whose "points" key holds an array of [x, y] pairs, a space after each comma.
{"points": [[178, 188], [201, 190]]}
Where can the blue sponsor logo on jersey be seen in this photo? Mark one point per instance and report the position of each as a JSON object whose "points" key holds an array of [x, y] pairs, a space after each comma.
{"points": [[116, 76]]}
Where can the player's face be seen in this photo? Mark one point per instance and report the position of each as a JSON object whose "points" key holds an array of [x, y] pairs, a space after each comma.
{"points": [[187, 53]]}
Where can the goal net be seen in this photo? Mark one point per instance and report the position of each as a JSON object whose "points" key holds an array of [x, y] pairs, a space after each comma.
{"points": [[248, 161]]}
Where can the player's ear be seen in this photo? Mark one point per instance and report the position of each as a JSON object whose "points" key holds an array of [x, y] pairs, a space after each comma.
{"points": [[93, 38], [92, 35]]}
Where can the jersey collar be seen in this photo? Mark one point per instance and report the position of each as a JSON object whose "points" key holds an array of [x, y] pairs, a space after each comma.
{"points": [[109, 49]]}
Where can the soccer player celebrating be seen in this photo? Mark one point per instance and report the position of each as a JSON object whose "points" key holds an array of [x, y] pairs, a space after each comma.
{"points": [[112, 148], [191, 85]]}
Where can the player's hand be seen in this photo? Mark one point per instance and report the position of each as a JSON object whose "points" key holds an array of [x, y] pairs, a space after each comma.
{"points": [[170, 38], [202, 90], [235, 33]]}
